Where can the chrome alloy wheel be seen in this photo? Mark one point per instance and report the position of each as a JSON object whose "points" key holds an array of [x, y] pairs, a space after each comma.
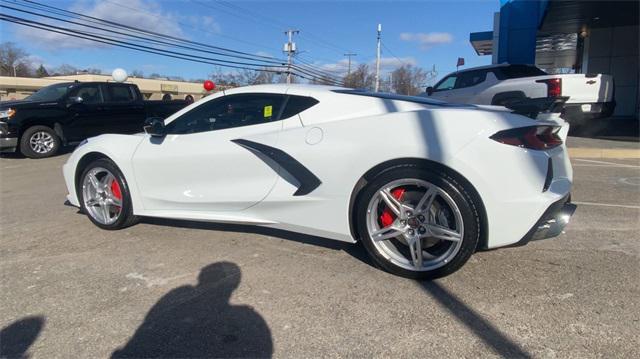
{"points": [[415, 224], [41, 142], [102, 195]]}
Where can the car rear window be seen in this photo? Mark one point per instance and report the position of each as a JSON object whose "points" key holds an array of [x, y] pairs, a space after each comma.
{"points": [[518, 71], [297, 104]]}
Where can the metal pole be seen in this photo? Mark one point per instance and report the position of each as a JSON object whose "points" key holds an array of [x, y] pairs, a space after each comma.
{"points": [[378, 60], [348, 55], [290, 51]]}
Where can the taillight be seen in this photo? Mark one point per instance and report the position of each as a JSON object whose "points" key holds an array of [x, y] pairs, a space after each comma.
{"points": [[531, 137], [554, 87]]}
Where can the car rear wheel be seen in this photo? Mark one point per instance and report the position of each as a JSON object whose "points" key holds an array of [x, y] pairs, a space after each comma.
{"points": [[417, 223], [104, 196], [39, 142]]}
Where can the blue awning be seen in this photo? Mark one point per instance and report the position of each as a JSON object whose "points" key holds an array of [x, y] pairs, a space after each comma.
{"points": [[482, 42]]}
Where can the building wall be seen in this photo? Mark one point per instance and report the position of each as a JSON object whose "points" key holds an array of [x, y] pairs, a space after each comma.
{"points": [[519, 21], [614, 51], [17, 88]]}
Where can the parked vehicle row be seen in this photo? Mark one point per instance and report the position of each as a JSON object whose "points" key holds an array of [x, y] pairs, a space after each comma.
{"points": [[422, 183], [590, 96], [67, 113]]}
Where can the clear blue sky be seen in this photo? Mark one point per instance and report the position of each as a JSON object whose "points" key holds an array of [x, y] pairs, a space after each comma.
{"points": [[424, 33]]}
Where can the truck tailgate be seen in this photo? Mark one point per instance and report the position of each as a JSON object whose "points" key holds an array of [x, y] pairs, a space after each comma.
{"points": [[583, 88]]}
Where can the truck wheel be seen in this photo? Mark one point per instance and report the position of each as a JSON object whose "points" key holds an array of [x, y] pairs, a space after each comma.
{"points": [[39, 142]]}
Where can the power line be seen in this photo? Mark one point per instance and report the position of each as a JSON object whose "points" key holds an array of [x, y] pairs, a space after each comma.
{"points": [[153, 39], [140, 38], [392, 54], [155, 34], [240, 12], [124, 44], [252, 44]]}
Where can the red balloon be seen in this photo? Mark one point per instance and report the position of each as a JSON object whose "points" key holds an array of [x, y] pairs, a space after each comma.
{"points": [[209, 85]]}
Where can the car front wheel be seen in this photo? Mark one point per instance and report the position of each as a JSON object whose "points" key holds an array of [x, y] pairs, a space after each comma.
{"points": [[417, 223], [104, 195]]}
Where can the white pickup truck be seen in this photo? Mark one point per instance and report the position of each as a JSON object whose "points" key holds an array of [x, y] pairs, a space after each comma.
{"points": [[590, 95]]}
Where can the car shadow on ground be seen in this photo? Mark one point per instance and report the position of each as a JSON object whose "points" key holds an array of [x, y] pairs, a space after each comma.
{"points": [[482, 328], [198, 321], [355, 250], [17, 337]]}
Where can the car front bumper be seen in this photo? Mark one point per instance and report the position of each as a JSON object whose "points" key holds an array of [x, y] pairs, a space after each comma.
{"points": [[8, 144]]}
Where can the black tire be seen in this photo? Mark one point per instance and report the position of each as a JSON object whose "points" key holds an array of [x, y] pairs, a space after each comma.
{"points": [[126, 217], [460, 195], [25, 142]]}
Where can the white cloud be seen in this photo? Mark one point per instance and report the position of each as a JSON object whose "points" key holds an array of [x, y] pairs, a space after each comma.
{"points": [[206, 25], [151, 18], [391, 63], [427, 40], [338, 67]]}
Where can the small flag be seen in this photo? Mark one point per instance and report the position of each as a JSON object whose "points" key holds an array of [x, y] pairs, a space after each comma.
{"points": [[460, 61]]}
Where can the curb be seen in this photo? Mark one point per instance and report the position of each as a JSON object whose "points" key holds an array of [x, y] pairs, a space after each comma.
{"points": [[582, 152]]}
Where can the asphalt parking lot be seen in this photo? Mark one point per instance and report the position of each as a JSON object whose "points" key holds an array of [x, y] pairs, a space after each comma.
{"points": [[181, 289]]}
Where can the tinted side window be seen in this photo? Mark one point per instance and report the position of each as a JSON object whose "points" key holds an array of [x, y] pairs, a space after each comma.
{"points": [[518, 71], [447, 84], [297, 104], [90, 94], [471, 78], [229, 112], [119, 93]]}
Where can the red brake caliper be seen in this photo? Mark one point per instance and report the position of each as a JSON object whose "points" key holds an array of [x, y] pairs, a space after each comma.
{"points": [[388, 216], [115, 189]]}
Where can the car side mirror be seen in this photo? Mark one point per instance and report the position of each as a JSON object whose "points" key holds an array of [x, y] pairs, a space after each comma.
{"points": [[430, 90], [74, 100], [154, 126]]}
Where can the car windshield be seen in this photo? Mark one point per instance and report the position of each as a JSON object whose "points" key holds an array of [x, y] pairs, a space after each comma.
{"points": [[50, 93]]}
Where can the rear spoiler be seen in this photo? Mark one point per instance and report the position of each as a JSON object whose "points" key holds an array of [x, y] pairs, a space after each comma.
{"points": [[531, 107]]}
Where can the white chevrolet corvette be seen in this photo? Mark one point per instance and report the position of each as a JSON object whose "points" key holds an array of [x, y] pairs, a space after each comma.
{"points": [[423, 184]]}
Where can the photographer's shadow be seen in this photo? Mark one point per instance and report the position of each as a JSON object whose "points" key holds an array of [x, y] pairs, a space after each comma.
{"points": [[198, 321]]}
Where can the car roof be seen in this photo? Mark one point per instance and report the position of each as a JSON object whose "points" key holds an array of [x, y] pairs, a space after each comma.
{"points": [[492, 66]]}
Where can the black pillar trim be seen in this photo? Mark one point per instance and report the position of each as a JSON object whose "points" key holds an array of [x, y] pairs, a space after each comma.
{"points": [[308, 181]]}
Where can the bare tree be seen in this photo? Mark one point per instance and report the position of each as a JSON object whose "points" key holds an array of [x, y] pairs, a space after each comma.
{"points": [[137, 73], [13, 60], [92, 71], [265, 77], [65, 69], [361, 77], [408, 79]]}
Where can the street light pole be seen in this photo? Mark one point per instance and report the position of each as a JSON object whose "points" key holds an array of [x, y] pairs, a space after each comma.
{"points": [[378, 60]]}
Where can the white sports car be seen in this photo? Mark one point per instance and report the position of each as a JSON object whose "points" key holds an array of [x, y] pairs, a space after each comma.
{"points": [[422, 183]]}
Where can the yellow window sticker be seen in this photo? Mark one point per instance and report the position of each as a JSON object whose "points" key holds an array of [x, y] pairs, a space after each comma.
{"points": [[268, 111]]}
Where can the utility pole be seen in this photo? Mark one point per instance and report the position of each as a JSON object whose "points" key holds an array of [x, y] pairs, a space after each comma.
{"points": [[348, 55], [378, 60], [290, 49]]}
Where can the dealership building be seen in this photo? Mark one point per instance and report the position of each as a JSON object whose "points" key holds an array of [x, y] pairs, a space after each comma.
{"points": [[570, 37]]}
